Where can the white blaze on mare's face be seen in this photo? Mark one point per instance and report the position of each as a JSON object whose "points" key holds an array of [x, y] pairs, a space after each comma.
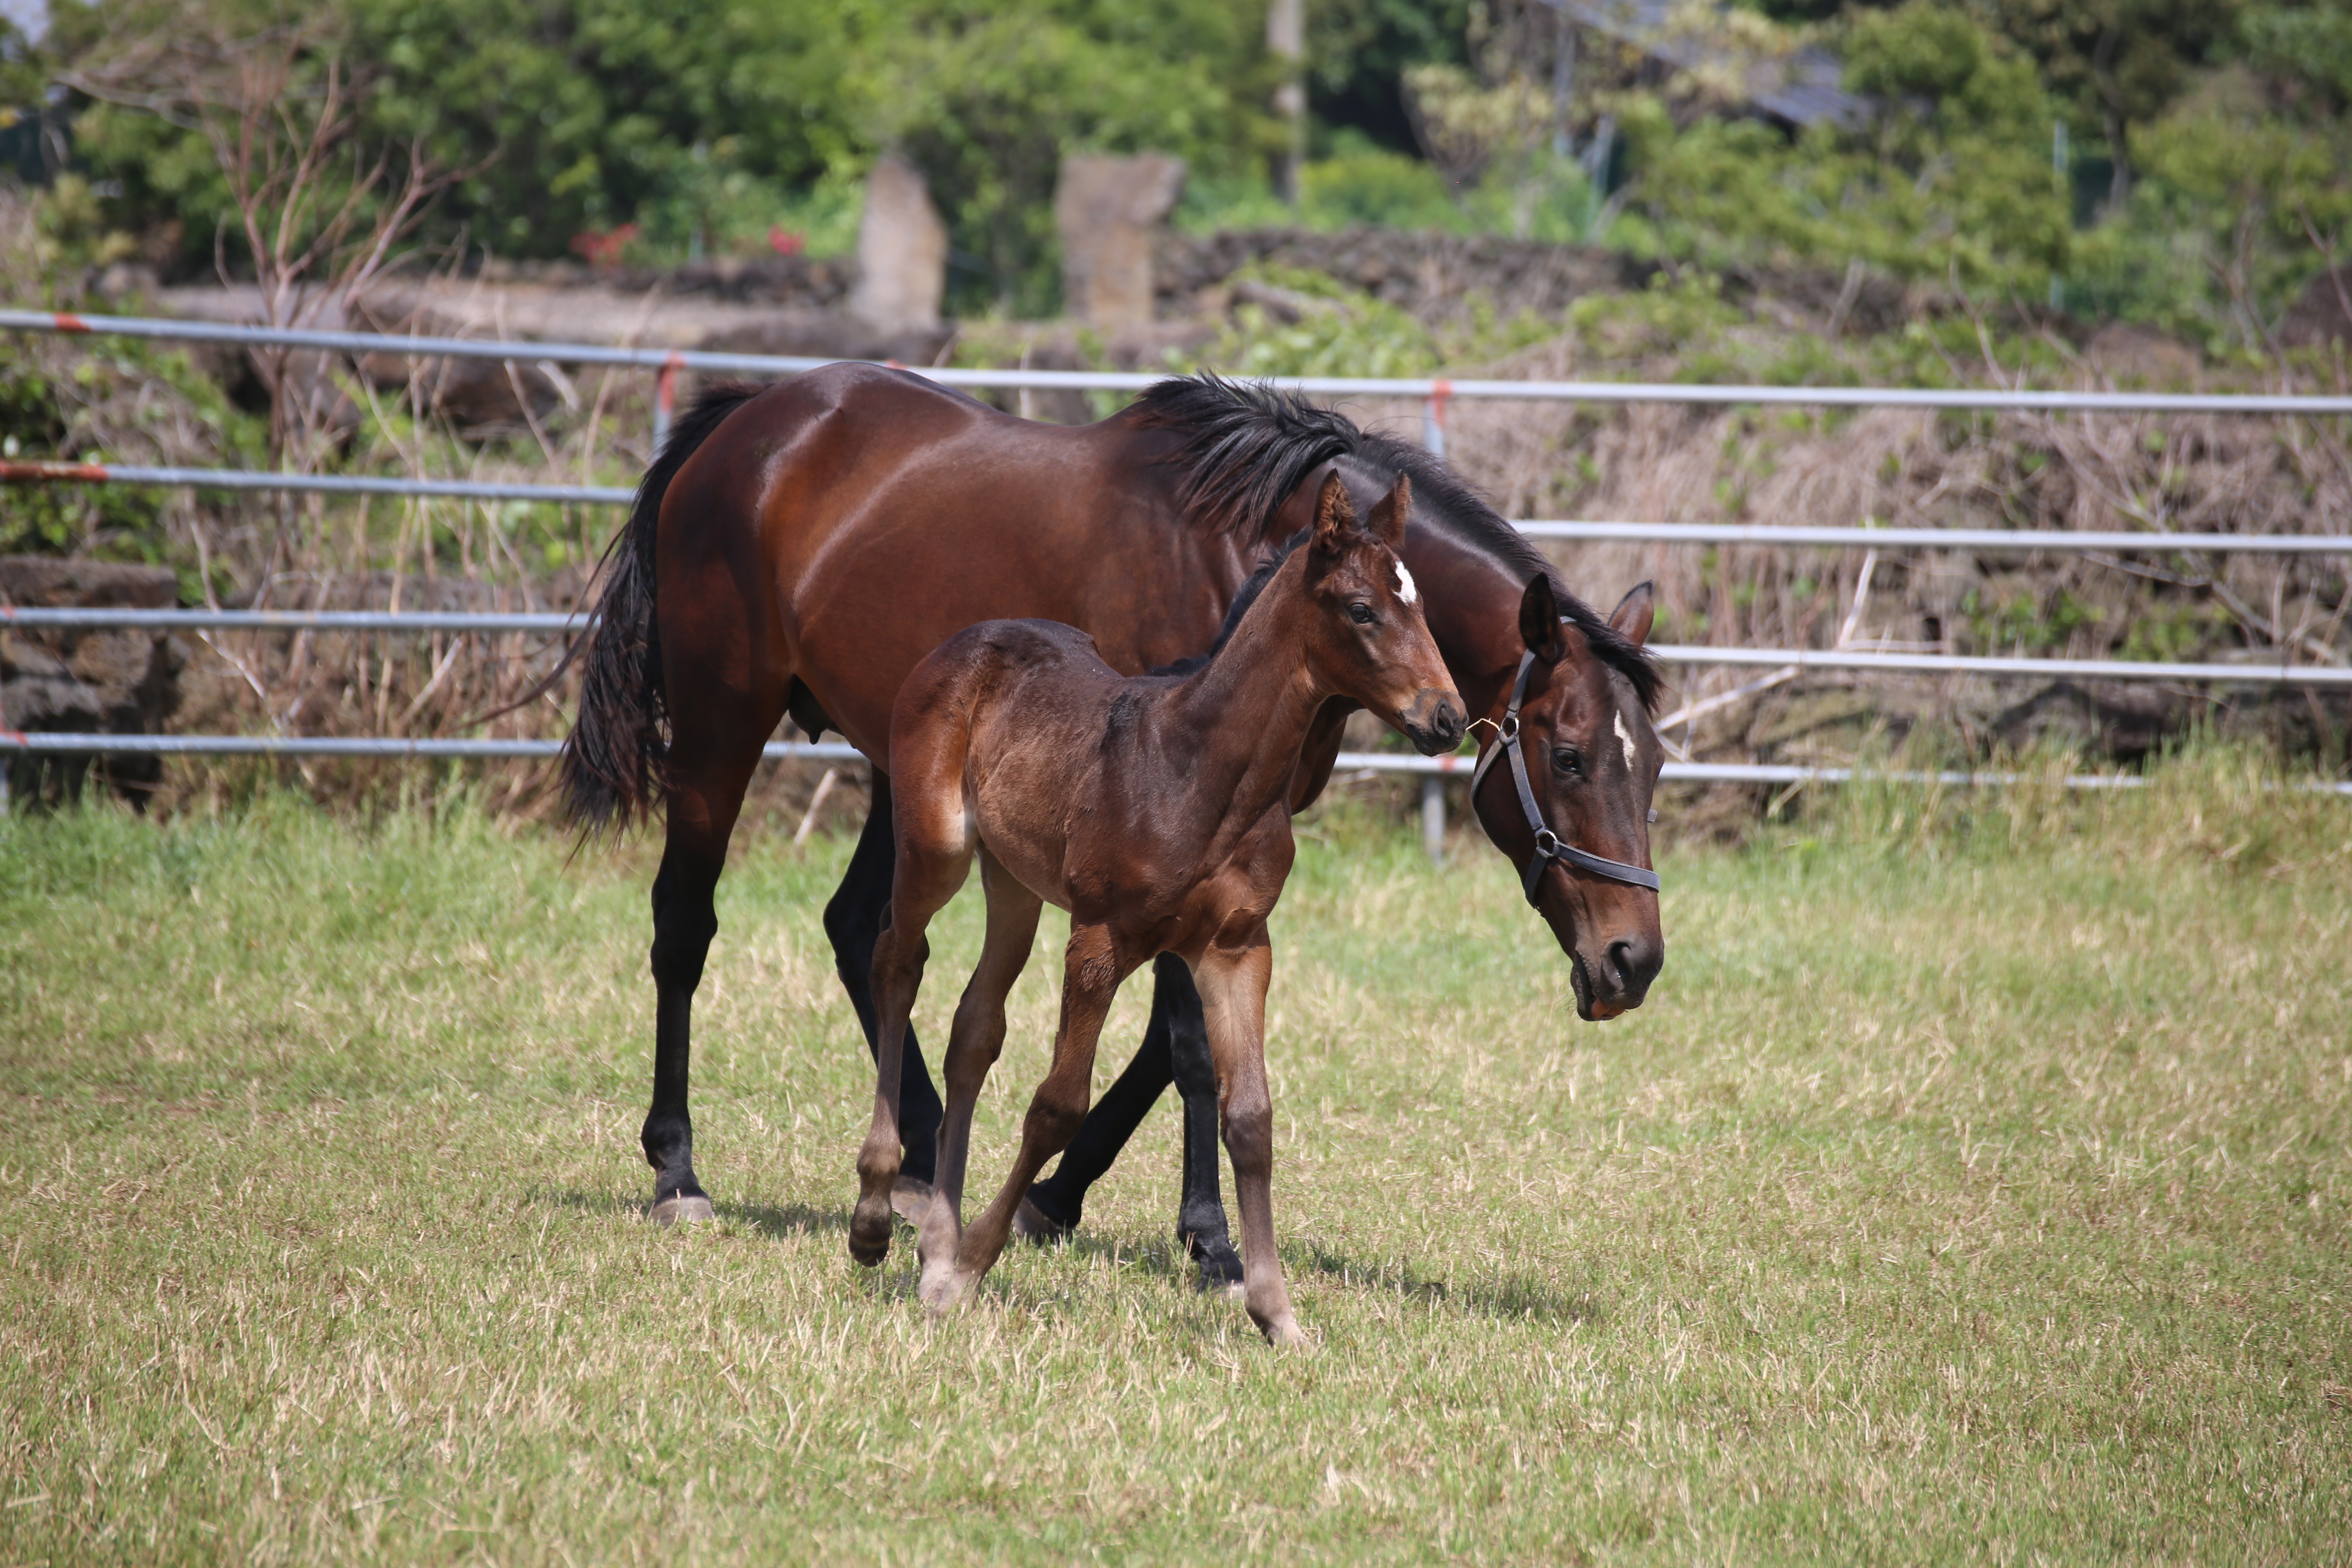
{"points": [[1625, 737], [1405, 590]]}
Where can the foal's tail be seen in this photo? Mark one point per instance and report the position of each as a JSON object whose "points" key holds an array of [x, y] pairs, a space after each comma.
{"points": [[613, 760]]}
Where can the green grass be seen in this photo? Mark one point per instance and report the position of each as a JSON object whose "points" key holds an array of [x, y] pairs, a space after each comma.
{"points": [[1970, 1191]]}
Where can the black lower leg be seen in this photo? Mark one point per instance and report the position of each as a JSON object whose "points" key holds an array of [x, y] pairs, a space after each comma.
{"points": [[1201, 1213], [853, 919], [684, 923], [1062, 1196]]}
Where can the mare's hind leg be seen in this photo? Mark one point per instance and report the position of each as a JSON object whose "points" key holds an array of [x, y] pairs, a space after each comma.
{"points": [[973, 1045], [1175, 1050], [853, 919], [1092, 969], [934, 852], [1232, 993], [707, 777]]}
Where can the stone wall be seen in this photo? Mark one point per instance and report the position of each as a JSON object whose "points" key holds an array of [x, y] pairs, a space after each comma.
{"points": [[86, 682]]}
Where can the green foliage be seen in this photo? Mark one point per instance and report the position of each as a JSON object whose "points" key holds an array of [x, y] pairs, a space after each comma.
{"points": [[1947, 181], [987, 95], [1337, 331]]}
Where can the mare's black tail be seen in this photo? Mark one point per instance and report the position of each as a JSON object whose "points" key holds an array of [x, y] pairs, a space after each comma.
{"points": [[613, 760]]}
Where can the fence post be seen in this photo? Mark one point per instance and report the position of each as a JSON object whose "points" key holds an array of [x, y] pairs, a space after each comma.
{"points": [[1433, 417], [1433, 786], [665, 399]]}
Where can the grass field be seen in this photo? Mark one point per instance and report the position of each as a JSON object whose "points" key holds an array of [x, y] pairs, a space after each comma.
{"points": [[1967, 1191]]}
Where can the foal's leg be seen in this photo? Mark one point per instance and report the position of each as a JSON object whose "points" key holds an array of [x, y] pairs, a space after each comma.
{"points": [[1091, 972], [853, 919], [707, 773], [1233, 994], [1175, 1049], [973, 1045], [927, 878]]}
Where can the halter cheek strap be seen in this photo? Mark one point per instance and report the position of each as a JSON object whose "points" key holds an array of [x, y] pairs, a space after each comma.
{"points": [[1549, 846]]}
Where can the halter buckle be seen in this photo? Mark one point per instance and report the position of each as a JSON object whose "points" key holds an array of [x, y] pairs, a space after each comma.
{"points": [[1508, 730], [1547, 844]]}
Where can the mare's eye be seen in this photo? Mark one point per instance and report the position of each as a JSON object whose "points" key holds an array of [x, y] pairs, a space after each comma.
{"points": [[1361, 614], [1568, 759]]}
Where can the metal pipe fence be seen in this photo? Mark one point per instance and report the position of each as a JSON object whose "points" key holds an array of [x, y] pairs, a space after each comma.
{"points": [[1867, 660], [16, 743], [1434, 392], [1424, 388], [1770, 535]]}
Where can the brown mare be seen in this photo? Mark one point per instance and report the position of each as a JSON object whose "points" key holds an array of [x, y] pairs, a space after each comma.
{"points": [[798, 548], [1155, 810]]}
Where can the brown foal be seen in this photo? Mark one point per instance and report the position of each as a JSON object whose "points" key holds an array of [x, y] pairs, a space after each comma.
{"points": [[1156, 811]]}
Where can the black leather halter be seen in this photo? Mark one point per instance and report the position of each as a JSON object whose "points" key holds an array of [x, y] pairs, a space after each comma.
{"points": [[1547, 845]]}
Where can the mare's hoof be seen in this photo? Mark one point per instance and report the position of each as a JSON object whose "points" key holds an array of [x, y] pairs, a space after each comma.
{"points": [[869, 1231], [683, 1208], [910, 1198], [1221, 1266], [1031, 1223]]}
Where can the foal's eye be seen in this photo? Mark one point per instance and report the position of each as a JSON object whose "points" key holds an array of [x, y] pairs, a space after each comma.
{"points": [[1361, 614], [1568, 759]]}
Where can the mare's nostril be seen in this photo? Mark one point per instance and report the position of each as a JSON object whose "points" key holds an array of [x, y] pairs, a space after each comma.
{"points": [[1621, 964]]}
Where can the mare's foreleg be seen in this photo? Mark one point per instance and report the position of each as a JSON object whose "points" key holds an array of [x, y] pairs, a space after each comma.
{"points": [[853, 919], [974, 1043], [706, 792], [1232, 993], [1092, 969], [1175, 1049]]}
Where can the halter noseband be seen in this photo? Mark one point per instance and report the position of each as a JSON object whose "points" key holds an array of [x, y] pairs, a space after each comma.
{"points": [[1549, 846]]}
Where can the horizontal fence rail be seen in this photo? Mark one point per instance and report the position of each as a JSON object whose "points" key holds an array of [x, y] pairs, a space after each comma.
{"points": [[1423, 388], [52, 473], [1434, 768], [1797, 536], [296, 620], [2248, 674], [1766, 534]]}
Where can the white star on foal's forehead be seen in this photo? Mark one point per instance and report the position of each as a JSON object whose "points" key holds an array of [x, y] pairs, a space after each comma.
{"points": [[1624, 736], [1405, 590]]}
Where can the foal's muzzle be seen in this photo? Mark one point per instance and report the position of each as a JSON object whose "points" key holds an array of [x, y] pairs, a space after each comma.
{"points": [[1434, 722]]}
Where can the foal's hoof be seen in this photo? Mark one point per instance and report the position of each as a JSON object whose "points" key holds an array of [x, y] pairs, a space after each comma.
{"points": [[910, 1198], [869, 1230], [1031, 1223], [683, 1209], [1285, 1333], [944, 1291]]}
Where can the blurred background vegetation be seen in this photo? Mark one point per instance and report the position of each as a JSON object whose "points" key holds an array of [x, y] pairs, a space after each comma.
{"points": [[2179, 163]]}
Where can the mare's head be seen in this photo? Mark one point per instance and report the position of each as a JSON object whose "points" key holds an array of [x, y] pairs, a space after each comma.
{"points": [[1365, 633], [1592, 760]]}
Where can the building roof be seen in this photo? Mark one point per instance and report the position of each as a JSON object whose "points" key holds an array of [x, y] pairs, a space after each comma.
{"points": [[1801, 89]]}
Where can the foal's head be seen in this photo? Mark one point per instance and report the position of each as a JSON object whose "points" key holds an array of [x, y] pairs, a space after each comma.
{"points": [[1365, 634]]}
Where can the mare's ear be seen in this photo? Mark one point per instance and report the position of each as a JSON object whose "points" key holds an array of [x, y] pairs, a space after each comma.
{"points": [[1634, 613], [1387, 521], [1539, 619], [1335, 516]]}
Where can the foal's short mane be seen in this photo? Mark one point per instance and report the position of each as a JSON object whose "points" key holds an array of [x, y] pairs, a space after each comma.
{"points": [[1246, 448]]}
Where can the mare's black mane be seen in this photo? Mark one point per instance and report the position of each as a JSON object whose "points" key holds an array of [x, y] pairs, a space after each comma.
{"points": [[1246, 448]]}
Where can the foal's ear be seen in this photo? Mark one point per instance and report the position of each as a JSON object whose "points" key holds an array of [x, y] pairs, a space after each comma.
{"points": [[1335, 516], [1387, 521], [1634, 613], [1539, 619]]}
